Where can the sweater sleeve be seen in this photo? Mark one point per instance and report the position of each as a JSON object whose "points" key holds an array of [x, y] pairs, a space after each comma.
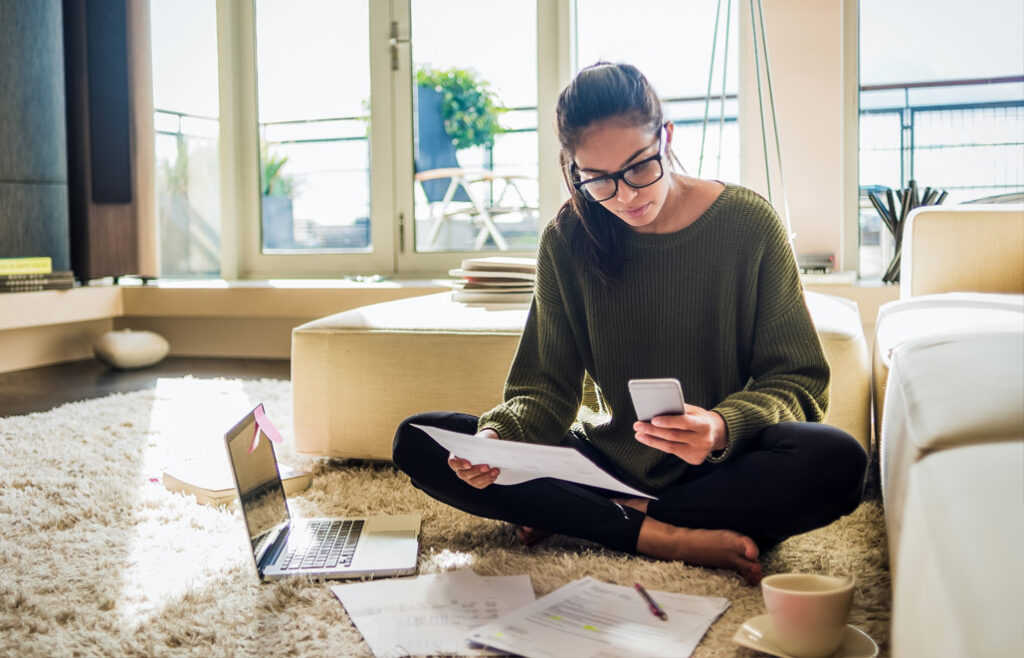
{"points": [[789, 376], [544, 386]]}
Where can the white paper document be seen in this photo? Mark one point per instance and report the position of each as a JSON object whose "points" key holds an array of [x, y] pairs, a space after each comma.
{"points": [[591, 619], [519, 462], [431, 614]]}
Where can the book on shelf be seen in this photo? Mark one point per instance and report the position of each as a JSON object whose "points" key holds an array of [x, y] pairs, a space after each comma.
{"points": [[60, 280], [211, 482], [34, 265]]}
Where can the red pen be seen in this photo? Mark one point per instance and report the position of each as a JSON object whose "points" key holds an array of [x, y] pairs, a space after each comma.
{"points": [[651, 603]]}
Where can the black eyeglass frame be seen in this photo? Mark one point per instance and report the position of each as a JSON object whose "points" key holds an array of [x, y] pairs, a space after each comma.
{"points": [[616, 176]]}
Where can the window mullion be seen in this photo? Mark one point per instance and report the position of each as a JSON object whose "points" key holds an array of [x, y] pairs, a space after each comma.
{"points": [[239, 148]]}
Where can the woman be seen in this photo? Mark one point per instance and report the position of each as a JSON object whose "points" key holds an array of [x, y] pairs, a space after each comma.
{"points": [[649, 273]]}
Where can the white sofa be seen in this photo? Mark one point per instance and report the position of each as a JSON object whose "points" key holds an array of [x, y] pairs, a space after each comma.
{"points": [[948, 374]]}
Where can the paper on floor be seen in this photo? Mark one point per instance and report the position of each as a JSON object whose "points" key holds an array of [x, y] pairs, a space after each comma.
{"points": [[589, 618], [430, 614]]}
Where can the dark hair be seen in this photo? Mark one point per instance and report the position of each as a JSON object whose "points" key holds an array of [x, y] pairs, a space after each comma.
{"points": [[600, 91]]}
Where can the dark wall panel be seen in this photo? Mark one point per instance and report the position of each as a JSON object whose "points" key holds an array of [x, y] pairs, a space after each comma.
{"points": [[34, 222], [104, 233], [106, 45], [33, 161]]}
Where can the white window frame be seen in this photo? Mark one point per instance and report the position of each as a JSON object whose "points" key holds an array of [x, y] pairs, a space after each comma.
{"points": [[392, 205], [391, 195]]}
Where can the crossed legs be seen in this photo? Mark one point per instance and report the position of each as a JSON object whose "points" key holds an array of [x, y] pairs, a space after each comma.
{"points": [[792, 478]]}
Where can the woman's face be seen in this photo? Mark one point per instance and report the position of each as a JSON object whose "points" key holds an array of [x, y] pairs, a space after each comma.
{"points": [[612, 146]]}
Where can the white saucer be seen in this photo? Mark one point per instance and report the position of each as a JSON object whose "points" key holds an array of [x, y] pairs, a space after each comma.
{"points": [[758, 633]]}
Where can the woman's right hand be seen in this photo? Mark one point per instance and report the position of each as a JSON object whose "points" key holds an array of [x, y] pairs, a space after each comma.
{"points": [[475, 475]]}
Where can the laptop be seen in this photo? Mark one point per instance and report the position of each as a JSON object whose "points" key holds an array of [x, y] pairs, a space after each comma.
{"points": [[320, 548]]}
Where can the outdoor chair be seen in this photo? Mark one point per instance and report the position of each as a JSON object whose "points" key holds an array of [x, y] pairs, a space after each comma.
{"points": [[457, 193]]}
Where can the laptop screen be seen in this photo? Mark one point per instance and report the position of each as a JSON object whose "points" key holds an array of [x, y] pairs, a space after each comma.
{"points": [[259, 485]]}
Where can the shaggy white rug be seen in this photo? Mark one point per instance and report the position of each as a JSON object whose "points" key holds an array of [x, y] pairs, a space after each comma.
{"points": [[97, 559]]}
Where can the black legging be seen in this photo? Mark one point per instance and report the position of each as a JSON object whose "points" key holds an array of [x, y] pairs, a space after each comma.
{"points": [[791, 478]]}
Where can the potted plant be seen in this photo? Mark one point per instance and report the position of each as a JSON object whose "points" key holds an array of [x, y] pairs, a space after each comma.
{"points": [[277, 191], [468, 106]]}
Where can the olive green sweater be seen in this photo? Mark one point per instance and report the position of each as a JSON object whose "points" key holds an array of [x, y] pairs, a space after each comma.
{"points": [[718, 305]]}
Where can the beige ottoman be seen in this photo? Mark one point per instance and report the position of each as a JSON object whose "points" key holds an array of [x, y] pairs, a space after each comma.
{"points": [[356, 375]]}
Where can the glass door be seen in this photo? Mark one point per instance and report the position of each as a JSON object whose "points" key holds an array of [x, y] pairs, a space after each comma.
{"points": [[325, 181], [313, 82], [469, 78]]}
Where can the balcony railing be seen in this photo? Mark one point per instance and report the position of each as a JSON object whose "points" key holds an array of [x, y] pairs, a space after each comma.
{"points": [[965, 136]]}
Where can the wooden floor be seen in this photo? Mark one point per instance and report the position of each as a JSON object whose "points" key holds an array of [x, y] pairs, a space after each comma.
{"points": [[41, 389]]}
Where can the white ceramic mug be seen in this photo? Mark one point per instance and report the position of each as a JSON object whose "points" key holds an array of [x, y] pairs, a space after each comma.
{"points": [[809, 611]]}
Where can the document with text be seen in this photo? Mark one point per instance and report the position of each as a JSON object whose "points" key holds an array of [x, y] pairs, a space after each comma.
{"points": [[520, 462], [430, 614], [591, 619]]}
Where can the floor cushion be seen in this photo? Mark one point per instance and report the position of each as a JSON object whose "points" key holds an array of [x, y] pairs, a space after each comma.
{"points": [[357, 374]]}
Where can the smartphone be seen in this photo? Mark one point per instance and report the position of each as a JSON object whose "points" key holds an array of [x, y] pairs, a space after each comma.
{"points": [[656, 397]]}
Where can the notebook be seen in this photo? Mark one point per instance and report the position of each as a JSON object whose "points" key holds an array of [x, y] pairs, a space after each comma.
{"points": [[321, 548]]}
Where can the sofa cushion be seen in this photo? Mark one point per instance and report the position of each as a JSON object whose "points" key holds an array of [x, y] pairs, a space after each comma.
{"points": [[952, 248], [957, 590], [946, 392], [837, 321], [931, 316]]}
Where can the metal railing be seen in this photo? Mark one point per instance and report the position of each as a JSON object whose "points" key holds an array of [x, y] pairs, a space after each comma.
{"points": [[921, 130], [960, 145]]}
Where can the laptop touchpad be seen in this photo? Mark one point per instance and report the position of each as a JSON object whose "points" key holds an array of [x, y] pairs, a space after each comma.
{"points": [[389, 548]]}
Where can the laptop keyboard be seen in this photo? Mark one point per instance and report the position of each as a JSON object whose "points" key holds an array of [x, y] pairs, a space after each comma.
{"points": [[323, 545]]}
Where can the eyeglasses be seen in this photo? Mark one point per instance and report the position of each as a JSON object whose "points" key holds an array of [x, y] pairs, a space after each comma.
{"points": [[646, 172]]}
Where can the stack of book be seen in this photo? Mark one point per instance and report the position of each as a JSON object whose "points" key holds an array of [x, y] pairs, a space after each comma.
{"points": [[495, 280], [27, 274], [211, 482]]}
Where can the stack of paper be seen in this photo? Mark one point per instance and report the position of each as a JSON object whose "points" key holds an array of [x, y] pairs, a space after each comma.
{"points": [[495, 280]]}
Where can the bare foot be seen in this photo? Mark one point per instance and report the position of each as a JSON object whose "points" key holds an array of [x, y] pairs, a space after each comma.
{"points": [[528, 536], [709, 548], [639, 504]]}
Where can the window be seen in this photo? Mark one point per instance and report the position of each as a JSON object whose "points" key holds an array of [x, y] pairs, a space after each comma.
{"points": [[475, 127], [604, 32], [185, 99], [313, 88], [942, 104], [328, 110]]}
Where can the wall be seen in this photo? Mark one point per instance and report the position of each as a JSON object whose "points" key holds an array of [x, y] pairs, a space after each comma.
{"points": [[215, 319], [33, 161], [812, 56]]}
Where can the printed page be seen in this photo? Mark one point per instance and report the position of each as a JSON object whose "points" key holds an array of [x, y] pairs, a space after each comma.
{"points": [[591, 619], [430, 614], [520, 461]]}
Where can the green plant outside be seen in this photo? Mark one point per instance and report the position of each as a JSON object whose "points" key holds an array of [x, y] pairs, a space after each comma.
{"points": [[468, 106], [274, 181]]}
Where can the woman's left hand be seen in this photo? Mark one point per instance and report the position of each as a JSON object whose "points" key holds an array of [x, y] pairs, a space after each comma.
{"points": [[691, 436]]}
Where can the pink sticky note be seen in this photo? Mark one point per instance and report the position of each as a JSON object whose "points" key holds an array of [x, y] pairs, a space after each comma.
{"points": [[263, 423]]}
